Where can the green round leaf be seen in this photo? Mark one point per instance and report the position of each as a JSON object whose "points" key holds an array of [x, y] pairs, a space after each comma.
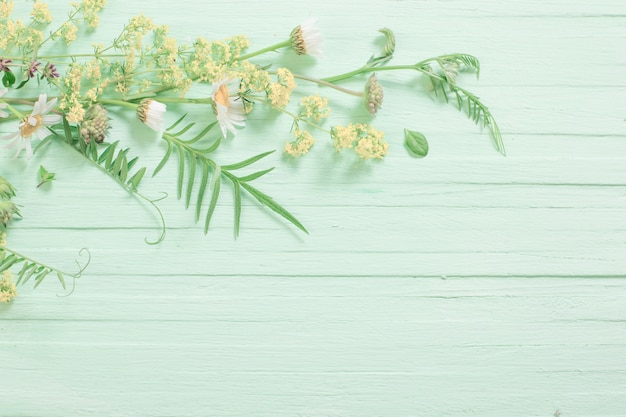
{"points": [[416, 143]]}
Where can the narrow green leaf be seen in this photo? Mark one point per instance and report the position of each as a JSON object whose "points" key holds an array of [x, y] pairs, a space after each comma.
{"points": [[176, 123], [184, 130], [203, 185], [136, 178], [167, 155], [25, 267], [106, 152], [255, 175], [211, 148], [8, 262], [68, 131], [181, 169], [416, 143], [132, 162], [237, 205], [214, 196], [246, 162], [190, 180], [273, 205], [61, 280], [39, 278], [201, 134], [109, 158], [124, 170], [31, 272]]}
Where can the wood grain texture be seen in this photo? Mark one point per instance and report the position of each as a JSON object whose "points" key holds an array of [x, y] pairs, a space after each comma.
{"points": [[463, 284]]}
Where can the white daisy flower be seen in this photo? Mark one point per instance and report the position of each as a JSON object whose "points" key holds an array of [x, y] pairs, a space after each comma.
{"points": [[3, 91], [35, 124], [151, 112], [229, 112], [306, 38]]}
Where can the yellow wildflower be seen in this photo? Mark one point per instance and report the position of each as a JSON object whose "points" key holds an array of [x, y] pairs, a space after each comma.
{"points": [[6, 7], [303, 143], [279, 93], [367, 142], [8, 291], [41, 13]]}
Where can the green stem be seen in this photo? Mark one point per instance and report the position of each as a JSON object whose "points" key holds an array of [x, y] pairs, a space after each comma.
{"points": [[28, 259], [364, 70], [328, 84], [271, 48], [121, 103]]}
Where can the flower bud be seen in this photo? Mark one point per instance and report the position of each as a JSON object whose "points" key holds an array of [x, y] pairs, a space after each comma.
{"points": [[306, 38], [7, 210], [95, 124], [6, 189], [373, 95], [150, 112]]}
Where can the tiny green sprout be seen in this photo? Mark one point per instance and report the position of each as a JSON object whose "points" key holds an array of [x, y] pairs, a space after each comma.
{"points": [[45, 176], [416, 143]]}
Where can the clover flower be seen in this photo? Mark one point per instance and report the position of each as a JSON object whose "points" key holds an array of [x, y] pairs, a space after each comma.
{"points": [[373, 95], [33, 68], [306, 38], [150, 112], [4, 65], [95, 124], [3, 91], [35, 124], [229, 112]]}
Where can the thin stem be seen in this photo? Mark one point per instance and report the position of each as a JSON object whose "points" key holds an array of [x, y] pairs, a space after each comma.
{"points": [[328, 84], [121, 103], [271, 48], [31, 260]]}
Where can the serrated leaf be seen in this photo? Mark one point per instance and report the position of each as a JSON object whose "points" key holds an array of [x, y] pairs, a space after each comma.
{"points": [[416, 143]]}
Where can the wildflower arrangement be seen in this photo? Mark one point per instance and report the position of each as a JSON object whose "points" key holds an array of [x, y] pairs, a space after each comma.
{"points": [[66, 100]]}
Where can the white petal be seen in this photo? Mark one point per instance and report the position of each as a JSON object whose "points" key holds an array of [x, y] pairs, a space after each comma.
{"points": [[51, 119]]}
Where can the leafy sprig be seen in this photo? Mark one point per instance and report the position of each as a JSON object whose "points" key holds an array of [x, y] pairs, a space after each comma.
{"points": [[32, 269], [195, 168]]}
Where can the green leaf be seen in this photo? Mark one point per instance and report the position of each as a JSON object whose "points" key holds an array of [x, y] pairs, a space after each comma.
{"points": [[416, 143], [237, 204], [176, 123], [214, 196], [246, 162], [191, 179], [61, 280], [8, 79], [255, 175], [273, 205], [136, 178], [203, 184], [166, 157]]}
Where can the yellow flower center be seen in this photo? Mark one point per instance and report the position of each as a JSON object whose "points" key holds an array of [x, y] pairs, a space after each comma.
{"points": [[221, 96], [27, 129]]}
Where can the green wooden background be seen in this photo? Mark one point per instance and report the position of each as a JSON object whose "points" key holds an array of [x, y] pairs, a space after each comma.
{"points": [[465, 283]]}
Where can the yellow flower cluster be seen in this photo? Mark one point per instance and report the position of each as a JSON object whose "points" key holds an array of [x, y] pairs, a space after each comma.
{"points": [[90, 10], [253, 78], [15, 33], [215, 60], [279, 93], [303, 143], [70, 102], [41, 13], [8, 290], [6, 8], [366, 141], [68, 32], [314, 108]]}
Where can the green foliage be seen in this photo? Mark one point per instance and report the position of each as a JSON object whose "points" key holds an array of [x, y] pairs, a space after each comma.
{"points": [[443, 83], [31, 269], [195, 168], [45, 176]]}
